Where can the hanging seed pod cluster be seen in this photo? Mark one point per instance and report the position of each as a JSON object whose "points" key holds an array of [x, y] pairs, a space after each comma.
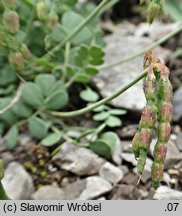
{"points": [[158, 93]]}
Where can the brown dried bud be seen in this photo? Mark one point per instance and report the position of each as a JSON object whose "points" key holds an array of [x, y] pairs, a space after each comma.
{"points": [[11, 21], [160, 151], [17, 60]]}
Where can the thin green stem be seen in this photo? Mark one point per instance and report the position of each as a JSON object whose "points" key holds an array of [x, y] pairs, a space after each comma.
{"points": [[153, 45], [78, 29], [101, 102]]}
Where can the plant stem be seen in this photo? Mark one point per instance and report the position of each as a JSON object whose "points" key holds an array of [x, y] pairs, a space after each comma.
{"points": [[3, 195], [101, 102], [153, 45], [79, 28]]}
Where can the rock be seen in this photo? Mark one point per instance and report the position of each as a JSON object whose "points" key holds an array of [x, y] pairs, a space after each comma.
{"points": [[179, 141], [102, 198], [177, 102], [146, 175], [125, 192], [72, 191], [166, 193], [129, 157], [116, 154], [26, 141], [173, 155], [80, 161], [111, 173], [115, 78], [95, 187], [17, 182], [2, 145], [126, 146], [48, 192], [128, 132], [124, 169], [7, 157]]}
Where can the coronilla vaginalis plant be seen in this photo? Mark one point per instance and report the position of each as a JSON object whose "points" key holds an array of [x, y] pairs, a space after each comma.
{"points": [[158, 94], [45, 47]]}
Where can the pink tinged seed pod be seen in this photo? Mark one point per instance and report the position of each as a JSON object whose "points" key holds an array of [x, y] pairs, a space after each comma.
{"points": [[149, 117], [10, 3], [145, 138], [52, 20], [166, 90], [160, 151], [164, 71], [150, 88], [164, 131], [166, 112], [157, 173], [11, 21], [17, 61]]}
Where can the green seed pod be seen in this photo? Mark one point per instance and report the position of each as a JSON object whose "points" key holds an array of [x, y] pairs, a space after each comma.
{"points": [[154, 10], [149, 116], [17, 60], [136, 145], [41, 11], [2, 38], [141, 161], [11, 21]]}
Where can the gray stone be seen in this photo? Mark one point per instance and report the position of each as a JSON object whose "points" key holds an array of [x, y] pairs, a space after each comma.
{"points": [[7, 157], [111, 173], [95, 187], [115, 78], [72, 191], [179, 141], [80, 161], [128, 131], [116, 154], [126, 146], [48, 192], [177, 102], [17, 182], [166, 193], [173, 155]]}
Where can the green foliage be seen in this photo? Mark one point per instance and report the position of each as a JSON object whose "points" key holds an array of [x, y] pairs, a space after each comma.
{"points": [[174, 8], [105, 144], [12, 137]]}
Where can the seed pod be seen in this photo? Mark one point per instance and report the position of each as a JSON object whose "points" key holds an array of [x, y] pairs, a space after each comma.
{"points": [[154, 9], [11, 21], [52, 20], [25, 51], [2, 38], [157, 173], [11, 4], [41, 11], [164, 117], [17, 60], [142, 139]]}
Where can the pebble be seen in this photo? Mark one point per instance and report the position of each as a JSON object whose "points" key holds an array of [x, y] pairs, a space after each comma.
{"points": [[48, 192], [78, 160], [17, 182], [111, 173], [166, 193], [95, 187]]}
